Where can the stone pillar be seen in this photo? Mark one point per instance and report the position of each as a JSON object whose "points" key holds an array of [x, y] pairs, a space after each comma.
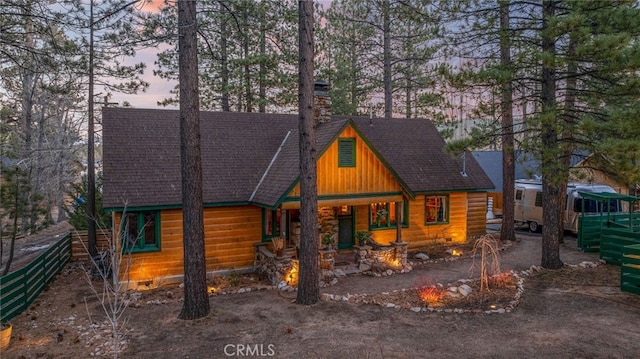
{"points": [[362, 257], [327, 259], [400, 252]]}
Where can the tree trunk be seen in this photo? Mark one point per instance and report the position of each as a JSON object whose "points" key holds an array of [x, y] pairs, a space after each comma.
{"points": [[566, 145], [507, 230], [91, 171], [248, 94], [550, 180], [386, 58], [354, 80], [262, 86], [224, 62], [14, 231], [308, 279], [196, 299]]}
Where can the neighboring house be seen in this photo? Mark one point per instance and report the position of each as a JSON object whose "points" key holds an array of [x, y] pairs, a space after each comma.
{"points": [[372, 176], [587, 170]]}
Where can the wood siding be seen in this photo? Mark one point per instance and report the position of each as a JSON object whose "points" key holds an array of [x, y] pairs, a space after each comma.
{"points": [[230, 234], [368, 176], [585, 171], [477, 214], [417, 233], [79, 251]]}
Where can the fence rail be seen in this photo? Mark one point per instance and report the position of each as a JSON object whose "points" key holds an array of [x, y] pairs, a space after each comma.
{"points": [[591, 229], [630, 272], [18, 289]]}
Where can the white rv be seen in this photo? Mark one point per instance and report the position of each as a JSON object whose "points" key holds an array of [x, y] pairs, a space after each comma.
{"points": [[528, 203]]}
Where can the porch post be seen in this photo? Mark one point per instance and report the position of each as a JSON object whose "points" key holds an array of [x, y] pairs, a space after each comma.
{"points": [[399, 219]]}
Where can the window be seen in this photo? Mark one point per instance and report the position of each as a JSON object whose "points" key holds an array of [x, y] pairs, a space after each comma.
{"points": [[518, 194], [538, 199], [141, 231], [346, 152], [383, 215], [436, 209], [270, 223], [592, 206]]}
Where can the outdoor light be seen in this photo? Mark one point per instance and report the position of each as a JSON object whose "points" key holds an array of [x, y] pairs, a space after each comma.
{"points": [[291, 275], [212, 290]]}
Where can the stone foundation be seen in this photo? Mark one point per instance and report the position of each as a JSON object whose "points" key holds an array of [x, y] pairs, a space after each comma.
{"points": [[393, 256], [284, 269], [276, 269]]}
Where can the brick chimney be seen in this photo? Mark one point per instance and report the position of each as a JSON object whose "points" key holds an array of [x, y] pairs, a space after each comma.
{"points": [[321, 102]]}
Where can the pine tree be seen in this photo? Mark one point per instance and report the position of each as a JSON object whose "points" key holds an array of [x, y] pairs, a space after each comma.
{"points": [[575, 62], [196, 299], [246, 53], [309, 273]]}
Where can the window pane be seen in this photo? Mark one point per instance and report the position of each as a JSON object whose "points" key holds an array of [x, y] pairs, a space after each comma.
{"points": [[442, 210], [149, 228], [372, 213], [392, 213], [538, 199], [268, 222], [432, 209], [383, 215], [436, 209], [131, 229]]}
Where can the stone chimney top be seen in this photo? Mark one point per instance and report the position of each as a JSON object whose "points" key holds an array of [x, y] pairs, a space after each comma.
{"points": [[321, 103]]}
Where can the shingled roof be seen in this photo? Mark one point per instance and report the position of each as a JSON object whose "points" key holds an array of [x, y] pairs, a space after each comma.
{"points": [[254, 158], [418, 155]]}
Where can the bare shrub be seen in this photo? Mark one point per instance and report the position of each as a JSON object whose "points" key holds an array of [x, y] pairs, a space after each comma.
{"points": [[108, 267], [489, 256]]}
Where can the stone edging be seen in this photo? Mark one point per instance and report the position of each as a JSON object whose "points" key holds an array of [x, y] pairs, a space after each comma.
{"points": [[520, 276]]}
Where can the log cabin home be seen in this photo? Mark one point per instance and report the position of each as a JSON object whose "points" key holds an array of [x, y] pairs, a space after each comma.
{"points": [[391, 177]]}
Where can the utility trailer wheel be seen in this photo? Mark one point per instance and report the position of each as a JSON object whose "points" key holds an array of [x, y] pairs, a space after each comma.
{"points": [[534, 227]]}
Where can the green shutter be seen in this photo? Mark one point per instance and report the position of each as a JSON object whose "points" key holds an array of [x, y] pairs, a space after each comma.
{"points": [[346, 152]]}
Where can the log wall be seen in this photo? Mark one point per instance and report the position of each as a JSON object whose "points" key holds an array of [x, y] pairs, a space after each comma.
{"points": [[477, 214], [417, 233], [230, 234]]}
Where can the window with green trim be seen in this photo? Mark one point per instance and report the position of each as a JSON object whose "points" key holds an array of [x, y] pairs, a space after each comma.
{"points": [[346, 152], [270, 224], [383, 215], [141, 231], [436, 209]]}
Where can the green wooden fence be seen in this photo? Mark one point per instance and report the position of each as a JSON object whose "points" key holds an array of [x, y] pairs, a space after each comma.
{"points": [[614, 240], [630, 270], [20, 288], [591, 229]]}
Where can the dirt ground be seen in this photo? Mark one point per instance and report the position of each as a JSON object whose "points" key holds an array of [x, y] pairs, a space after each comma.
{"points": [[575, 312]]}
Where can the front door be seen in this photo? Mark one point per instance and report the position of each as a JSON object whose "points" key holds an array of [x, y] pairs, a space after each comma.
{"points": [[345, 227]]}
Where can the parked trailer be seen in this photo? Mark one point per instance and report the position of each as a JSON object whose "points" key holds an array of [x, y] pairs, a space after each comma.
{"points": [[528, 203]]}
